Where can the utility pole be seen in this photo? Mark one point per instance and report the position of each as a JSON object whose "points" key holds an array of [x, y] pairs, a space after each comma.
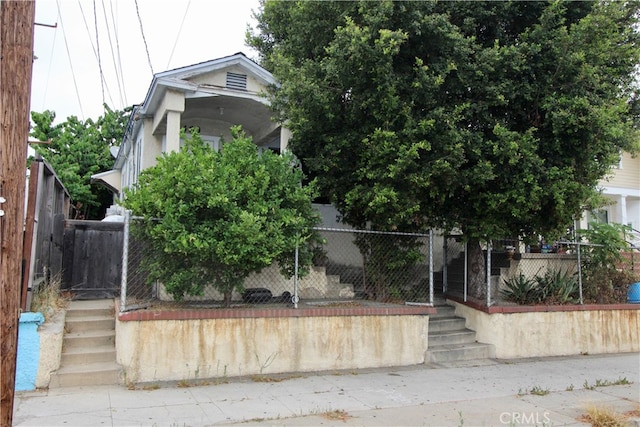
{"points": [[16, 64]]}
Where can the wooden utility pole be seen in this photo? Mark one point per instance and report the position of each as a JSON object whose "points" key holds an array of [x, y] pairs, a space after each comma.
{"points": [[16, 63]]}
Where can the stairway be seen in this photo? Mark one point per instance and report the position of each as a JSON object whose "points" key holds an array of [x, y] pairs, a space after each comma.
{"points": [[88, 347], [451, 343]]}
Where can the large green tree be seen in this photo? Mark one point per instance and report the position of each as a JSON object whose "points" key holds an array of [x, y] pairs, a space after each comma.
{"points": [[213, 218], [496, 118], [500, 117], [76, 150]]}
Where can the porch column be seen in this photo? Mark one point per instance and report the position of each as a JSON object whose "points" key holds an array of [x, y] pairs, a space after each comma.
{"points": [[285, 135], [173, 131], [622, 204], [152, 147]]}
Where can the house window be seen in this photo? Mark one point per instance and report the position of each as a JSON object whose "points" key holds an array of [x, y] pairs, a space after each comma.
{"points": [[212, 141], [237, 81], [600, 216]]}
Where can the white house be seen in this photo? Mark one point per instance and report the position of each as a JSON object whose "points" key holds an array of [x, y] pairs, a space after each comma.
{"points": [[622, 189], [212, 96]]}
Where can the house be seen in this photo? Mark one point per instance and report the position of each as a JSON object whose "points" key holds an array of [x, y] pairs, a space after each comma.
{"points": [[212, 96], [622, 189]]}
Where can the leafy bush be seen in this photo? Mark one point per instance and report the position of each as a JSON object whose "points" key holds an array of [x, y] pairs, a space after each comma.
{"points": [[557, 287], [605, 279], [553, 287], [520, 289], [213, 218]]}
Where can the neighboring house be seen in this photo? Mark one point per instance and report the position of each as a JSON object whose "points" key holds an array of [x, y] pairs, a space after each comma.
{"points": [[622, 188], [212, 96]]}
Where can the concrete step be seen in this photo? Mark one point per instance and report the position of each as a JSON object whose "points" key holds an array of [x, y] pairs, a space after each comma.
{"points": [[90, 323], [81, 355], [99, 373], [465, 336], [459, 352], [102, 307], [443, 311], [88, 339], [441, 324]]}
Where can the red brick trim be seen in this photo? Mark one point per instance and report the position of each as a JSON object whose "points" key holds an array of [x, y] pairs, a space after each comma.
{"points": [[238, 313], [541, 308]]}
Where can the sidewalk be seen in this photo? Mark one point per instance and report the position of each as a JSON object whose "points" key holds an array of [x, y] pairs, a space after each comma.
{"points": [[495, 394]]}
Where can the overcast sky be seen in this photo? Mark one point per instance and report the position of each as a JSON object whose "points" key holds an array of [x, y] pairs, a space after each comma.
{"points": [[66, 73]]}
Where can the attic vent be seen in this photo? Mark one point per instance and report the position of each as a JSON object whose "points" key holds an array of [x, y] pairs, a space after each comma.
{"points": [[237, 81]]}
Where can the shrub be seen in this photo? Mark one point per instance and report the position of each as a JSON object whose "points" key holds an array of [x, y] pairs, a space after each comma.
{"points": [[553, 287], [520, 289]]}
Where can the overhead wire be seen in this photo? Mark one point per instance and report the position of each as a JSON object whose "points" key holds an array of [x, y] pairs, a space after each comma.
{"points": [[102, 77], [73, 75], [95, 23], [53, 45], [119, 60], [178, 35], [146, 48], [113, 58]]}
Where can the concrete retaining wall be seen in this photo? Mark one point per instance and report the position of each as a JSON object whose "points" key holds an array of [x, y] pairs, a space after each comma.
{"points": [[28, 353], [159, 350], [557, 332], [51, 335]]}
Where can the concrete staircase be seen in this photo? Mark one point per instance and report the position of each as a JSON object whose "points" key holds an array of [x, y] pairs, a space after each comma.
{"points": [[88, 347], [451, 343]]}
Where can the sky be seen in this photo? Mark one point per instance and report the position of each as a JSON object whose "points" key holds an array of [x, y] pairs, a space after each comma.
{"points": [[67, 72]]}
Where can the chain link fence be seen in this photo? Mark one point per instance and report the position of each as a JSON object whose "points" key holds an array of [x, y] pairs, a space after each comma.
{"points": [[404, 268], [562, 272], [349, 265]]}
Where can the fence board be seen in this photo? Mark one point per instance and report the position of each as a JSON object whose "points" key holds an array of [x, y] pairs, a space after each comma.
{"points": [[92, 258]]}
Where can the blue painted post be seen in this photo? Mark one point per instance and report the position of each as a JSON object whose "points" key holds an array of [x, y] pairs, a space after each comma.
{"points": [[28, 351]]}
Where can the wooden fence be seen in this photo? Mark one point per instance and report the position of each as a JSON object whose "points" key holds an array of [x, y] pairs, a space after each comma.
{"points": [[92, 258], [47, 208]]}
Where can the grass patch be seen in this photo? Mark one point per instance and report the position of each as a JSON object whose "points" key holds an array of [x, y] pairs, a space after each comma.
{"points": [[48, 299], [535, 390], [273, 379], [600, 416], [539, 391], [606, 383], [336, 415]]}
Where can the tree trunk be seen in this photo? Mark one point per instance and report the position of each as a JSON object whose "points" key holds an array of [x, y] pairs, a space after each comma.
{"points": [[477, 271], [227, 298]]}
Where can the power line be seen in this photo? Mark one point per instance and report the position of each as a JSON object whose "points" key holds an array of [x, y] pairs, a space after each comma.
{"points": [[146, 48], [115, 65], [115, 32], [178, 35], [95, 23], [64, 34], [103, 81], [46, 86]]}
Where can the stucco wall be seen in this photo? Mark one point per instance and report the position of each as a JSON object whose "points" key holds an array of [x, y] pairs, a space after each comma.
{"points": [[28, 353], [555, 333], [215, 348], [51, 335]]}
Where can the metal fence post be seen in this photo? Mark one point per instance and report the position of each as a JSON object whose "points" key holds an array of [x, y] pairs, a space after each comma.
{"points": [[489, 273], [125, 261], [431, 266], [295, 299], [445, 249], [466, 268], [579, 273]]}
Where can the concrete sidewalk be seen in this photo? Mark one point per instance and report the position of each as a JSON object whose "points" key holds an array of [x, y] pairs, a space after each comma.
{"points": [[495, 394]]}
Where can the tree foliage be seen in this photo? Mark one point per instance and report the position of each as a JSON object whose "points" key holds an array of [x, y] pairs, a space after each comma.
{"points": [[497, 118], [216, 217], [78, 150]]}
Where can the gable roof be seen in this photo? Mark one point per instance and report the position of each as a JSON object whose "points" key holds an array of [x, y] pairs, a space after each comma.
{"points": [[178, 78]]}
